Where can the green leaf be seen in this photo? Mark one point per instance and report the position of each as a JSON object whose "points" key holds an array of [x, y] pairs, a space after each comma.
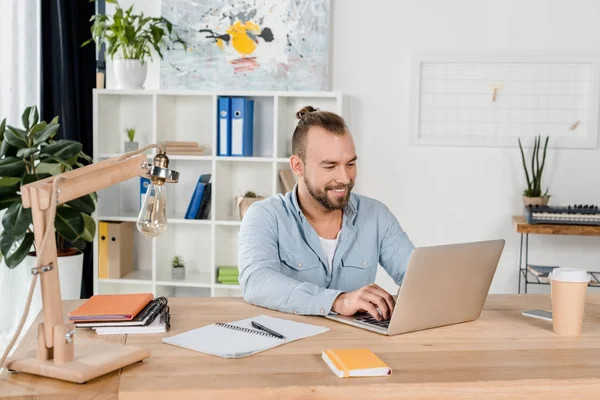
{"points": [[24, 153], [16, 137], [30, 117], [90, 228], [61, 150], [49, 159], [84, 204], [68, 223], [4, 181], [49, 168], [86, 157], [27, 179], [45, 134], [14, 257], [17, 219], [8, 195], [11, 166], [2, 129]]}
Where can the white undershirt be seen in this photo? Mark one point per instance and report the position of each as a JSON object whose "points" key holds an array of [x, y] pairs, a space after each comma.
{"points": [[329, 246]]}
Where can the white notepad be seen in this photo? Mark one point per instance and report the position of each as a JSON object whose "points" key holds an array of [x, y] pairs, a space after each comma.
{"points": [[240, 338]]}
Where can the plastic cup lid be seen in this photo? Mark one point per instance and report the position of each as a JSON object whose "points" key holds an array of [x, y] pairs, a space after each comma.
{"points": [[569, 275]]}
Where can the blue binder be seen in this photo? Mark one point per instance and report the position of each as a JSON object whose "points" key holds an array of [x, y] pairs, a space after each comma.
{"points": [[196, 199], [242, 126], [224, 128]]}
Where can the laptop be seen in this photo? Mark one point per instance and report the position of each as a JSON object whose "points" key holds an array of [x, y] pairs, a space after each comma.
{"points": [[443, 285]]}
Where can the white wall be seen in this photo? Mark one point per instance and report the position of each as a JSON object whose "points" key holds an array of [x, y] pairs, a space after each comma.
{"points": [[442, 195]]}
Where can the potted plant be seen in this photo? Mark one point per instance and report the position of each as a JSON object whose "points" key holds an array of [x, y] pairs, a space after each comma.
{"points": [[533, 194], [130, 145], [245, 201], [178, 268], [28, 155], [130, 39]]}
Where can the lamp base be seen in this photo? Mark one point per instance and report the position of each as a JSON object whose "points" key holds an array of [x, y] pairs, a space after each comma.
{"points": [[93, 358]]}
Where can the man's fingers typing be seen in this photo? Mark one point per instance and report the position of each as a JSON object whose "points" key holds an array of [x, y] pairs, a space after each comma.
{"points": [[379, 301]]}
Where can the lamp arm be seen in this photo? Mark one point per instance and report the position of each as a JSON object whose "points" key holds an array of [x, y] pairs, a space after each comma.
{"points": [[42, 197]]}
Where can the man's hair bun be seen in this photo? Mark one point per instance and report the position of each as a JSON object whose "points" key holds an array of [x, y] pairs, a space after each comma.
{"points": [[305, 110]]}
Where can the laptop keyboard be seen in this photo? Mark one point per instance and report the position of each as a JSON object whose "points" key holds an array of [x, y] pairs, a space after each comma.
{"points": [[372, 321]]}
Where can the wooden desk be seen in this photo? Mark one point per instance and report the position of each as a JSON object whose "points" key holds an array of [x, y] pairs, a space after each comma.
{"points": [[501, 355], [525, 229]]}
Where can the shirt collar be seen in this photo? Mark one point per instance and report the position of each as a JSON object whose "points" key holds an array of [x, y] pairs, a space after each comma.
{"points": [[351, 210]]}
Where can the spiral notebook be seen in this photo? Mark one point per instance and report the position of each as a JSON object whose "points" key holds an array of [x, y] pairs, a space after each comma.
{"points": [[159, 324], [239, 339]]}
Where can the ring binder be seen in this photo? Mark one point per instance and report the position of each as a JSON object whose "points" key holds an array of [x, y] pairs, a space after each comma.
{"points": [[245, 330], [157, 306]]}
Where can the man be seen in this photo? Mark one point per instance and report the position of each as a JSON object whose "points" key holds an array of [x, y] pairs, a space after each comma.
{"points": [[315, 249]]}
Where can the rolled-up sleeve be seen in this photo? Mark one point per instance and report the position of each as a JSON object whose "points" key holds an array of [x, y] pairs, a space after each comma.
{"points": [[260, 275], [395, 247]]}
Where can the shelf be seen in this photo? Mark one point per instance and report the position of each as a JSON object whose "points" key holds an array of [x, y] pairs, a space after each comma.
{"points": [[177, 218], [140, 276], [192, 279], [245, 159], [595, 282], [192, 115], [224, 222], [224, 286]]}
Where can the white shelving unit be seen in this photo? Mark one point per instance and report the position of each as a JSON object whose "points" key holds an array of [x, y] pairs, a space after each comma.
{"points": [[165, 115]]}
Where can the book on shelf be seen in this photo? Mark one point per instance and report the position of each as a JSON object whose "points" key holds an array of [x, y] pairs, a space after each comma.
{"points": [[228, 275], [540, 270], [542, 273], [198, 197], [183, 148]]}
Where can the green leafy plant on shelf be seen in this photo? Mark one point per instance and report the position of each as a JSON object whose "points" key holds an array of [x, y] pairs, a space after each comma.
{"points": [[132, 36], [130, 133], [534, 178], [28, 155], [178, 262], [178, 268]]}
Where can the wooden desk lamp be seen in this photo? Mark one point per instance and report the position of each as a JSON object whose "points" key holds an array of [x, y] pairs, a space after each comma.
{"points": [[58, 355]]}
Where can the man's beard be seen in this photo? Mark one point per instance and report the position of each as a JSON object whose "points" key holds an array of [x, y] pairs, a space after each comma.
{"points": [[321, 196]]}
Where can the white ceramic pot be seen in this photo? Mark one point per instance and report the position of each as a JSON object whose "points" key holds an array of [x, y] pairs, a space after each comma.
{"points": [[130, 74], [70, 271]]}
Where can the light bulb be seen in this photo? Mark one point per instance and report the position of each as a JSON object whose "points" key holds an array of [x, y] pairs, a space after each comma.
{"points": [[152, 220]]}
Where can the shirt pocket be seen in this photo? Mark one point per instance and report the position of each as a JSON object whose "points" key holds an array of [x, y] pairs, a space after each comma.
{"points": [[358, 269], [302, 266]]}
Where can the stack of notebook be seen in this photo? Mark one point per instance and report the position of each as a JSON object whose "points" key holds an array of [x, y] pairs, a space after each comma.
{"points": [[228, 275], [123, 313], [183, 148]]}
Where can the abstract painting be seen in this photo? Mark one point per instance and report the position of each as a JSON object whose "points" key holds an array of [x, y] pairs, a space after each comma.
{"points": [[248, 44]]}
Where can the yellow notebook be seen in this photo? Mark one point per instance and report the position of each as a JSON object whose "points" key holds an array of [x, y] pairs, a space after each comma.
{"points": [[346, 363]]}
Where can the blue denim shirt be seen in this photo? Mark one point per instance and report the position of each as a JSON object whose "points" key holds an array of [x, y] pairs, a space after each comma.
{"points": [[282, 265]]}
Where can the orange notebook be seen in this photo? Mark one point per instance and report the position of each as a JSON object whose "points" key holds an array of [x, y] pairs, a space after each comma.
{"points": [[111, 307], [346, 363]]}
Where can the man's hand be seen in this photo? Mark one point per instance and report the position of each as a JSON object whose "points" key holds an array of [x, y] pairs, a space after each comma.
{"points": [[368, 299]]}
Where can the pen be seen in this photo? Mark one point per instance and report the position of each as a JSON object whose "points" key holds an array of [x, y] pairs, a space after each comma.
{"points": [[264, 328]]}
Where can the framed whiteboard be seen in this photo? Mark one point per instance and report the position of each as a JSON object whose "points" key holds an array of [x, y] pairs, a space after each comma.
{"points": [[453, 101]]}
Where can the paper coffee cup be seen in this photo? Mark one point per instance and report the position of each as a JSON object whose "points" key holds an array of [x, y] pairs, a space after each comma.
{"points": [[568, 293]]}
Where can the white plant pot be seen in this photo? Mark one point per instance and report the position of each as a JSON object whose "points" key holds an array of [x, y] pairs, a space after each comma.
{"points": [[130, 74]]}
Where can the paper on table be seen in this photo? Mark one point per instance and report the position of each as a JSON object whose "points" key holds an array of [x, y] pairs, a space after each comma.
{"points": [[230, 343]]}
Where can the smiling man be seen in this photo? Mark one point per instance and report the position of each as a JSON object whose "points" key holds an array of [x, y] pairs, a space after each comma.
{"points": [[316, 249]]}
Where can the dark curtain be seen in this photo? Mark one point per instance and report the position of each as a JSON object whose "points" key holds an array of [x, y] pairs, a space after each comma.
{"points": [[68, 73]]}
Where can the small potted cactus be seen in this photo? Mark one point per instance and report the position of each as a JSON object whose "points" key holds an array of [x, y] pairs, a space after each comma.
{"points": [[177, 268], [245, 201], [130, 145]]}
